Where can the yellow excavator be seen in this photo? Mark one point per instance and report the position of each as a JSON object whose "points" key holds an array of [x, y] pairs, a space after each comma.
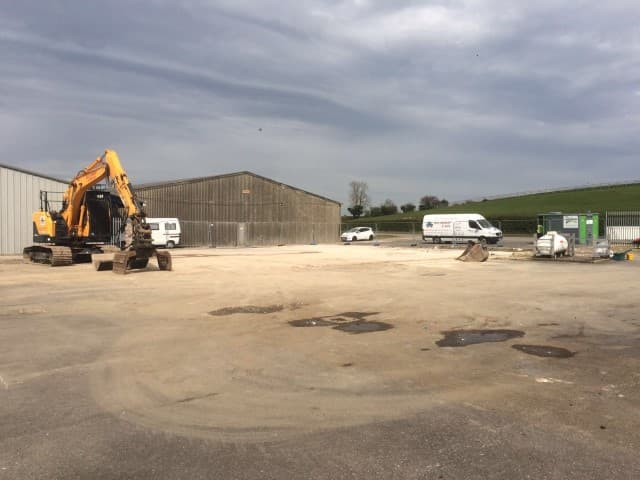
{"points": [[83, 227]]}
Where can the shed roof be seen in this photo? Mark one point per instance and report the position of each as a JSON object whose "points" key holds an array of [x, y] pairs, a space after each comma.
{"points": [[145, 186], [35, 174]]}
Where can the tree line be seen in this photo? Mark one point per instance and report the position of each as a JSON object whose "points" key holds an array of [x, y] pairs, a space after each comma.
{"points": [[361, 203]]}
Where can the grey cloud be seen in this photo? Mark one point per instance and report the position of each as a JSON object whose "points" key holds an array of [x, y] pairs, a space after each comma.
{"points": [[252, 99], [542, 94]]}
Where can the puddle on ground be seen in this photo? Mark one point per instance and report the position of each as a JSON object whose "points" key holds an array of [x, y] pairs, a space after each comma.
{"points": [[544, 351], [347, 364], [311, 322], [353, 315], [462, 338], [246, 309], [350, 322], [363, 326]]}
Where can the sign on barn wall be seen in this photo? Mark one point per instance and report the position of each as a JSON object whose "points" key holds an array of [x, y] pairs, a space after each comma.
{"points": [[570, 221]]}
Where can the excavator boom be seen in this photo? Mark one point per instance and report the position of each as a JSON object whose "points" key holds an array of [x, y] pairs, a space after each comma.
{"points": [[106, 166]]}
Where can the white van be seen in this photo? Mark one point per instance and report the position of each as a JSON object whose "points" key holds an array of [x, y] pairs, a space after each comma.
{"points": [[165, 232], [460, 227]]}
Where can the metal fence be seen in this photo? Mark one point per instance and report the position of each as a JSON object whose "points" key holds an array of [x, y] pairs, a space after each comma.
{"points": [[509, 226], [245, 234], [390, 227], [622, 228]]}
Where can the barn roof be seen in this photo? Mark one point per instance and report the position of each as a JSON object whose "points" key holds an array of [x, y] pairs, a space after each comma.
{"points": [[147, 186]]}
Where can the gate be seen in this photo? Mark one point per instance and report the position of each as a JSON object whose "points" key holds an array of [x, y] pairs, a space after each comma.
{"points": [[622, 228]]}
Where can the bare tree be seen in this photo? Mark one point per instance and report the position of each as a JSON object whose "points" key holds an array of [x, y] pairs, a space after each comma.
{"points": [[359, 194]]}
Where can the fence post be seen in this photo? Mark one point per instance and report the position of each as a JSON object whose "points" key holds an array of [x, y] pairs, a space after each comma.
{"points": [[571, 248], [210, 232]]}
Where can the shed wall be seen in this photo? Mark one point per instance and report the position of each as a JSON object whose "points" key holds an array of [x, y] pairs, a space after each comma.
{"points": [[19, 198], [243, 209]]}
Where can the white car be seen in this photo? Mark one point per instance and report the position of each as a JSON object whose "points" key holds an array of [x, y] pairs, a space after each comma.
{"points": [[358, 233]]}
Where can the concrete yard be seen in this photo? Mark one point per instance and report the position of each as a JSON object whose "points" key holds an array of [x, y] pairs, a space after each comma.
{"points": [[198, 373]]}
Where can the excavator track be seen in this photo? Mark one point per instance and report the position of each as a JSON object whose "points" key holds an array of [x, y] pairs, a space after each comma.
{"points": [[49, 255]]}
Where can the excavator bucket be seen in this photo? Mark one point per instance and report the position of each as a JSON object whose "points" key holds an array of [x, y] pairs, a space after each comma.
{"points": [[135, 260], [474, 252], [102, 261], [127, 260], [164, 260]]}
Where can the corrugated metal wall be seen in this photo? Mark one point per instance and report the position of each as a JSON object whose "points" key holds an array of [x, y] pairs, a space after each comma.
{"points": [[243, 209], [19, 198]]}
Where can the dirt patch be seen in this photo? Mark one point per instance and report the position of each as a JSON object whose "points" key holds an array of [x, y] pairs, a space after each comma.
{"points": [[578, 334], [462, 338], [21, 310]]}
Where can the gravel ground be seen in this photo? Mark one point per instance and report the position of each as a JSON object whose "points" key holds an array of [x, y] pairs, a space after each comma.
{"points": [[321, 362]]}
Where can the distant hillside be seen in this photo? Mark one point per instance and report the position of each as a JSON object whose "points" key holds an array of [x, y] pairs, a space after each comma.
{"points": [[526, 207]]}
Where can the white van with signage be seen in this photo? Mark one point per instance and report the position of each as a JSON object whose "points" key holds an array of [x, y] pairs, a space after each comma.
{"points": [[165, 232], [459, 227]]}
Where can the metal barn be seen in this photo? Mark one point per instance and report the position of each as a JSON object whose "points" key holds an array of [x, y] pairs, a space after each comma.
{"points": [[19, 198], [243, 209]]}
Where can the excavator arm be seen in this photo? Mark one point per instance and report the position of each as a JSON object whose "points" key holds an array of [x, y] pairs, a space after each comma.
{"points": [[106, 166]]}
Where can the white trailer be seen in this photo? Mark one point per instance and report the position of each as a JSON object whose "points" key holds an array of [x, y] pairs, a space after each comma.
{"points": [[459, 227], [165, 232]]}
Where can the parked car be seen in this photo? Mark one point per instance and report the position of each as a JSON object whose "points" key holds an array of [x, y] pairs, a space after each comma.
{"points": [[358, 233]]}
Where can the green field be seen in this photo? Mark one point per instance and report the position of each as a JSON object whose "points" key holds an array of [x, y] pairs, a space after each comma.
{"points": [[518, 214]]}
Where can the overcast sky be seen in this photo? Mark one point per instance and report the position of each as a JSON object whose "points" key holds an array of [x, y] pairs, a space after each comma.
{"points": [[460, 99]]}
